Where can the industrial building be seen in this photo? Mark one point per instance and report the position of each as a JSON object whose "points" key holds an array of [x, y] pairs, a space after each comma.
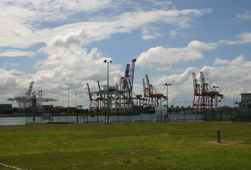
{"points": [[245, 104]]}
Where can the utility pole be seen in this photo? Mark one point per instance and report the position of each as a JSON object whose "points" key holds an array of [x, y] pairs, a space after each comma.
{"points": [[108, 97], [68, 99], [76, 99]]}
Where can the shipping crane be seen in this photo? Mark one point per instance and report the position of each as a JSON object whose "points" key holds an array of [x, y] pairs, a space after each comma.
{"points": [[28, 93], [204, 94], [196, 97], [152, 97], [92, 102]]}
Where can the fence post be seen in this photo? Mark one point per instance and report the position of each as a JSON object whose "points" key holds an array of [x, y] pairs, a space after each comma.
{"points": [[218, 136]]}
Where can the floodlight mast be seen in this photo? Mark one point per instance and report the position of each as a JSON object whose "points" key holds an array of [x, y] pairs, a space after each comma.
{"points": [[167, 99], [108, 98]]}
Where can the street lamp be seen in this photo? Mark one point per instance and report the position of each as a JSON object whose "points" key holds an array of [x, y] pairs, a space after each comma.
{"points": [[76, 99], [68, 99], [215, 95], [108, 61], [167, 99]]}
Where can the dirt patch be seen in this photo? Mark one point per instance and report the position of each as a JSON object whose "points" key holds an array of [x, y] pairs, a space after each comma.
{"points": [[122, 137], [232, 142]]}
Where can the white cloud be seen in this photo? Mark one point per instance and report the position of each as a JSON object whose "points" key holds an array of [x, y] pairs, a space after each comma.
{"points": [[157, 3], [172, 34], [219, 61], [237, 61], [148, 37], [162, 58], [17, 53], [22, 21], [150, 32], [197, 45], [177, 79], [245, 14], [68, 64], [12, 82], [78, 38], [14, 64], [243, 39], [232, 80]]}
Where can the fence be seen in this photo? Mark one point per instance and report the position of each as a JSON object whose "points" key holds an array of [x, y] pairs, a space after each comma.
{"points": [[226, 136], [227, 115], [41, 117]]}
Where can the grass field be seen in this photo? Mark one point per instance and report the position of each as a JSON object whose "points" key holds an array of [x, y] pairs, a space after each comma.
{"points": [[169, 145]]}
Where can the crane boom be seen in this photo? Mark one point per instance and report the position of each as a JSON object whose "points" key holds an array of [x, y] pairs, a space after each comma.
{"points": [[89, 92], [28, 93], [99, 88]]}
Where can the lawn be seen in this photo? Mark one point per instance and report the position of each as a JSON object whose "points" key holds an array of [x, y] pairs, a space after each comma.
{"points": [[168, 145]]}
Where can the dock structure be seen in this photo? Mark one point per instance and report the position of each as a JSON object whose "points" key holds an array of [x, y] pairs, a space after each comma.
{"points": [[31, 99], [205, 97], [120, 98]]}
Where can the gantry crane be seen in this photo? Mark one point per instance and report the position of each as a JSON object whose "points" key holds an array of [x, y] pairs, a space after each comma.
{"points": [[204, 94]]}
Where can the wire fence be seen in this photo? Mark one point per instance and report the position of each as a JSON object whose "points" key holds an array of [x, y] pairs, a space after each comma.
{"points": [[227, 115], [23, 117], [238, 137], [78, 117]]}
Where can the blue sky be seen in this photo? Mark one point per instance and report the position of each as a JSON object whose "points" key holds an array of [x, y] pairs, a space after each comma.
{"points": [[61, 44]]}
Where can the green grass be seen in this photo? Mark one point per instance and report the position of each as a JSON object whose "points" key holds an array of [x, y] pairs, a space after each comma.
{"points": [[169, 145]]}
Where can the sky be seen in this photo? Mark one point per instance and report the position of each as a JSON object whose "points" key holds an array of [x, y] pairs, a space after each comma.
{"points": [[61, 44]]}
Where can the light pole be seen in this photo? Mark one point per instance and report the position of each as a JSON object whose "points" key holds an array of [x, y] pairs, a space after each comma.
{"points": [[108, 61], [68, 99], [76, 99], [215, 95], [167, 100]]}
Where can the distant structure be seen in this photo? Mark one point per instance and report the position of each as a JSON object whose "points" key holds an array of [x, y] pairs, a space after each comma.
{"points": [[152, 98], [121, 96], [245, 104], [204, 95], [245, 97], [30, 100], [244, 110]]}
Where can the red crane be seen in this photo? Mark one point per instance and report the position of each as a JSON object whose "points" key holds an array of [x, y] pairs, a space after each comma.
{"points": [[28, 93], [99, 100], [204, 94], [145, 93], [206, 99], [153, 97], [93, 102]]}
